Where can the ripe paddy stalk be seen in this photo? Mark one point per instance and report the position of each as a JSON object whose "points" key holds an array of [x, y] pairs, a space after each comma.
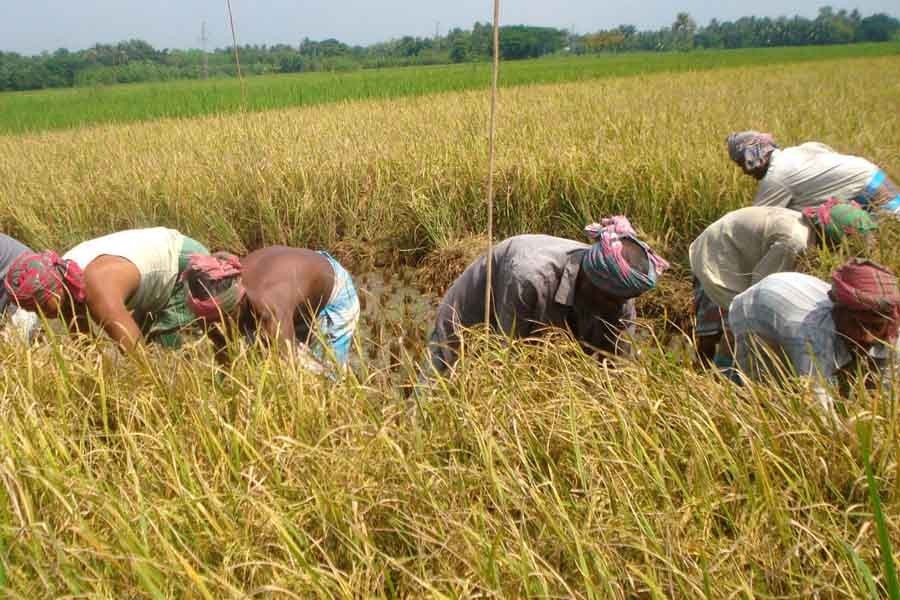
{"points": [[570, 476]]}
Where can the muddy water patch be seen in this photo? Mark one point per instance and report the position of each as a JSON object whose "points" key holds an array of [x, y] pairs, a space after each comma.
{"points": [[395, 319]]}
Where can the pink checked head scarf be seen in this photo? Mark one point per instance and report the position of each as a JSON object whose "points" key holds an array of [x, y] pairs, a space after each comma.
{"points": [[607, 267], [34, 277], [217, 267]]}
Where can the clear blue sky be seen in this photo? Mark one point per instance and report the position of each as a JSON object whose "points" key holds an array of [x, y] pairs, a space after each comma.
{"points": [[30, 26]]}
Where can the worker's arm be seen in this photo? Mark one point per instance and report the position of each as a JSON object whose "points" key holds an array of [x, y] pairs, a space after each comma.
{"points": [[220, 346], [277, 323], [822, 397], [884, 360], [780, 257], [80, 323], [612, 335], [109, 281], [75, 318], [109, 311], [772, 193], [623, 343]]}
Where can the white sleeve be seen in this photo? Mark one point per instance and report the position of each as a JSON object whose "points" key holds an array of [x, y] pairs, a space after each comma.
{"points": [[886, 360], [826, 405], [823, 398], [771, 193], [781, 256], [21, 325], [817, 147]]}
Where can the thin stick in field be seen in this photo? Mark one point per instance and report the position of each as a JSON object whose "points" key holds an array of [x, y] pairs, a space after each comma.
{"points": [[490, 186]]}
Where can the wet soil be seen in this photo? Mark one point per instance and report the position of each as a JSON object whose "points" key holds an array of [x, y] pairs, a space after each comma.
{"points": [[396, 316]]}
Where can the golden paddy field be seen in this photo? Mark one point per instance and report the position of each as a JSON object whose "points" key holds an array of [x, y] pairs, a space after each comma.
{"points": [[535, 471]]}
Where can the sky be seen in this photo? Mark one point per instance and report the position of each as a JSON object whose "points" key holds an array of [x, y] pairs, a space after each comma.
{"points": [[32, 26]]}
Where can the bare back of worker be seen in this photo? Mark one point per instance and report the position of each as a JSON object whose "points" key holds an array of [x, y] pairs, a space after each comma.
{"points": [[285, 289]]}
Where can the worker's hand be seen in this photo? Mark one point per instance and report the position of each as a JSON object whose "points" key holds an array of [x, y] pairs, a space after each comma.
{"points": [[112, 356], [826, 405], [21, 326], [304, 358]]}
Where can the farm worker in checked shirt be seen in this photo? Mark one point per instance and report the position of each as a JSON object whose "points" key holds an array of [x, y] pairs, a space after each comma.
{"points": [[126, 282], [748, 244], [296, 295], [816, 329], [539, 281], [19, 322], [808, 174]]}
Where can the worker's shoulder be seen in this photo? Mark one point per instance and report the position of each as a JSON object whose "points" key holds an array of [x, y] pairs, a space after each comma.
{"points": [[540, 241], [280, 259], [812, 148], [755, 218], [750, 213], [271, 252], [792, 286], [794, 157]]}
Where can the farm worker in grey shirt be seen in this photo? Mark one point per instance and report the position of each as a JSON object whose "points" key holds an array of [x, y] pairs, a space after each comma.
{"points": [[126, 282], [748, 244], [808, 174], [539, 281], [813, 328], [20, 322]]}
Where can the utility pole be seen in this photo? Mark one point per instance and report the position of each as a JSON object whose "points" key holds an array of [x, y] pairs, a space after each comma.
{"points": [[437, 35], [203, 40]]}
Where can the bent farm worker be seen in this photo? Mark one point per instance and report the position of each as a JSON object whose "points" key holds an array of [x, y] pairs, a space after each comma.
{"points": [[126, 282], [540, 280], [812, 328], [300, 296], [807, 174], [749, 244], [19, 322]]}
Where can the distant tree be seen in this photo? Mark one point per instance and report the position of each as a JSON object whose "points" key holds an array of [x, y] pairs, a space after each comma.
{"points": [[522, 41], [604, 41], [683, 30], [137, 60], [481, 41], [710, 36], [459, 51], [878, 28], [290, 62], [137, 50]]}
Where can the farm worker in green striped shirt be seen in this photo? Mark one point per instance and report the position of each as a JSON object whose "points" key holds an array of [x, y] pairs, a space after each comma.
{"points": [[126, 282]]}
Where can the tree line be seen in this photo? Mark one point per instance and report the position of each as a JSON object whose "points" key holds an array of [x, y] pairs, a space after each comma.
{"points": [[136, 60], [828, 27]]}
